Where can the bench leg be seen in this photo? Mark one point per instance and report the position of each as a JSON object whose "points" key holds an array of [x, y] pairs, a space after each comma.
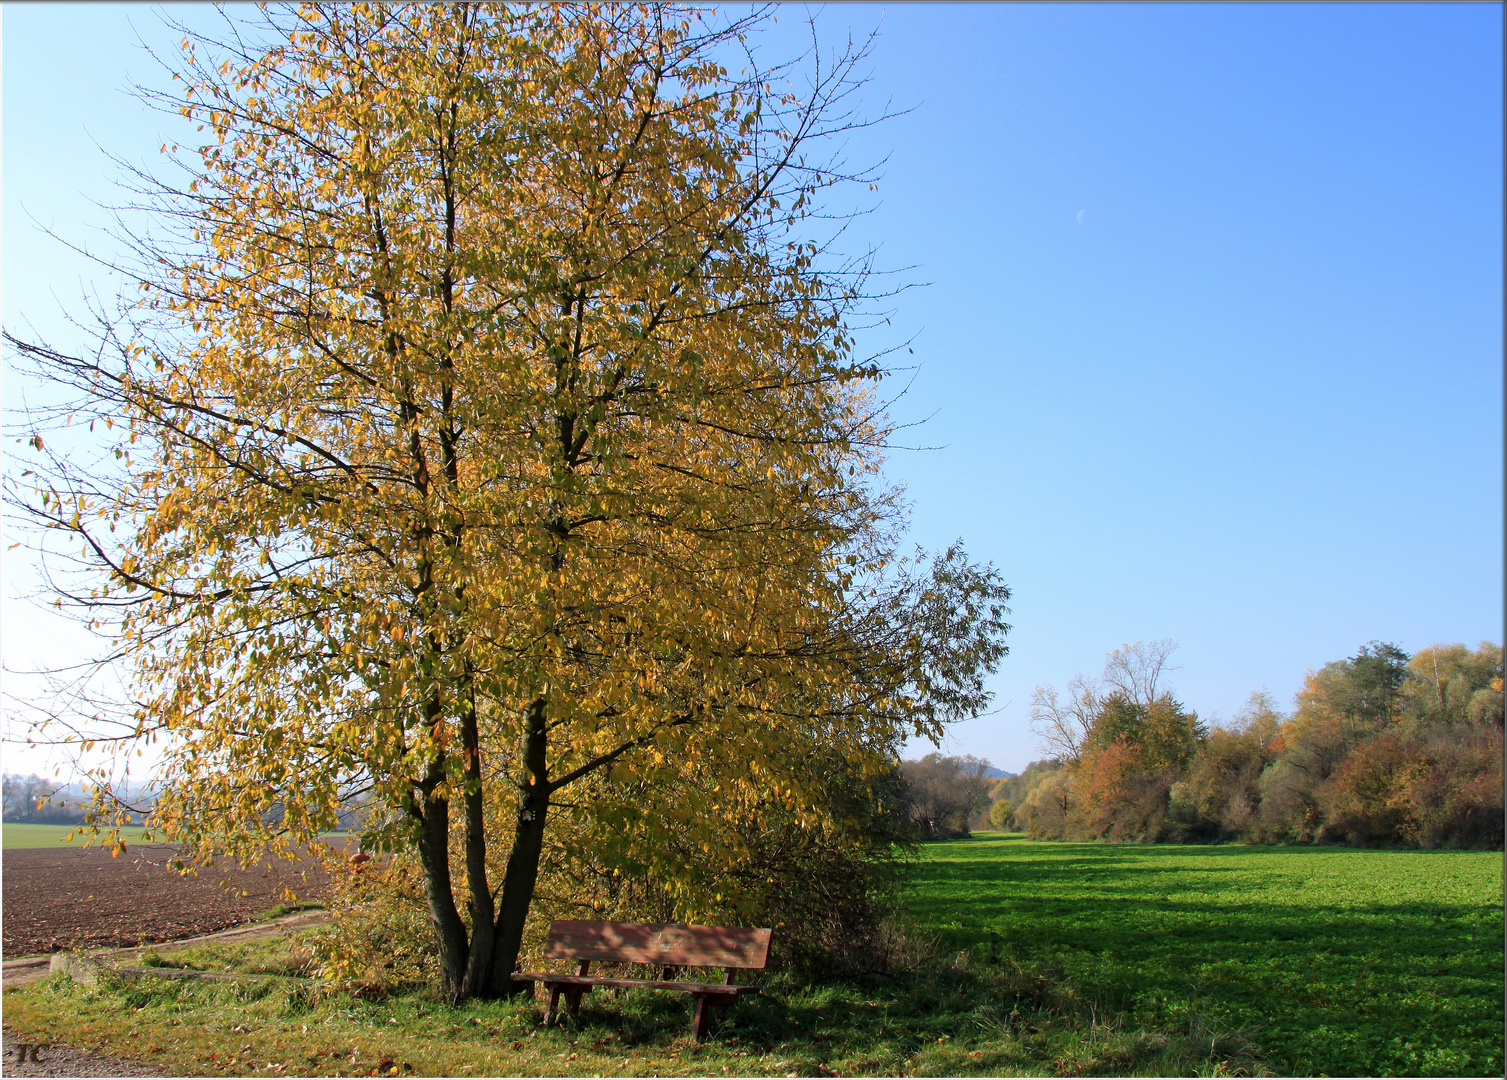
{"points": [[573, 999], [701, 1018], [554, 1002]]}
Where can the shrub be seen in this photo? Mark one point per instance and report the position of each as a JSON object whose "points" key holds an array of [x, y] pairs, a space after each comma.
{"points": [[379, 939]]}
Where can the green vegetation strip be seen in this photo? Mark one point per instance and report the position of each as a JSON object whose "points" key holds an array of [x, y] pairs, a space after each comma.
{"points": [[1338, 962], [1037, 959], [17, 835]]}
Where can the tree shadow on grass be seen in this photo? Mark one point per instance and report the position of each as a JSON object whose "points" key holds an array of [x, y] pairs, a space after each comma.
{"points": [[1345, 982]]}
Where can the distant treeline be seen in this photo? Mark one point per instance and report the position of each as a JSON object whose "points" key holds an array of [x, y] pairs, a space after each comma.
{"points": [[39, 801], [940, 797], [35, 800], [1382, 748]]}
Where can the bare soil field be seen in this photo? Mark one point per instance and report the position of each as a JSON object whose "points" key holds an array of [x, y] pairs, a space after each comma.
{"points": [[64, 898]]}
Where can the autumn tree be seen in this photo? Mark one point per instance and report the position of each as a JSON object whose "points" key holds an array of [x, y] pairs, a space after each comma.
{"points": [[1123, 742], [1132, 756], [1135, 671], [1453, 684], [1219, 793], [1001, 814], [1062, 725], [1429, 772], [1016, 788], [1361, 693], [1050, 810], [1131, 672], [486, 424]]}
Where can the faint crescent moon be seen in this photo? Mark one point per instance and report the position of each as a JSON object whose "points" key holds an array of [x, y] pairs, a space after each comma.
{"points": [[1080, 216]]}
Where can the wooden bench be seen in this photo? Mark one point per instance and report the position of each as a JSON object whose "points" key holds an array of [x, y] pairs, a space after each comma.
{"points": [[668, 946]]}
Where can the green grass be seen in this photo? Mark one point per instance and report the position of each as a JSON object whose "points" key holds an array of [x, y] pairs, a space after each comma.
{"points": [[1334, 961], [292, 907], [17, 835], [1029, 959], [947, 1023]]}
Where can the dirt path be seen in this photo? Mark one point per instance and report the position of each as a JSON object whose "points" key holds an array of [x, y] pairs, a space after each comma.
{"points": [[66, 898], [25, 969]]}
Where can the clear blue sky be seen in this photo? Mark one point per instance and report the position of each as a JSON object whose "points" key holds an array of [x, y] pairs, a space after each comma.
{"points": [[1212, 337]]}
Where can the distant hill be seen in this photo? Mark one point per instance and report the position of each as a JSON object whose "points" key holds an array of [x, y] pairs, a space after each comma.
{"points": [[996, 774]]}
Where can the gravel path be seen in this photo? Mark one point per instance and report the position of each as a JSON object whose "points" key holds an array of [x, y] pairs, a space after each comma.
{"points": [[64, 1061]]}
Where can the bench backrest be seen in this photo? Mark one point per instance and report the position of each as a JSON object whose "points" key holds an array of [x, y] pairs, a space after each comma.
{"points": [[668, 944]]}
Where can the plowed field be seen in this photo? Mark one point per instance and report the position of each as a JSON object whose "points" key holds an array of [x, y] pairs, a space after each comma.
{"points": [[63, 898]]}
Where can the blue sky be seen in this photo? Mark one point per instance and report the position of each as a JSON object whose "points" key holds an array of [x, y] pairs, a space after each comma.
{"points": [[1211, 336]]}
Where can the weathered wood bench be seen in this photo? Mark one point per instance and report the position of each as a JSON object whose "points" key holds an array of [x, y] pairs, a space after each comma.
{"points": [[668, 946]]}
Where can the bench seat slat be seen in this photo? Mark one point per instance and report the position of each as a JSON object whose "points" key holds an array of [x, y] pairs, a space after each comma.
{"points": [[658, 943], [652, 984]]}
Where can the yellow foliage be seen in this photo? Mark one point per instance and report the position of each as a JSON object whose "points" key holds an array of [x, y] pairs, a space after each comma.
{"points": [[502, 431]]}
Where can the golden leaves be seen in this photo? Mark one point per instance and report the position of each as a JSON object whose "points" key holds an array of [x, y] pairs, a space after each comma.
{"points": [[483, 377]]}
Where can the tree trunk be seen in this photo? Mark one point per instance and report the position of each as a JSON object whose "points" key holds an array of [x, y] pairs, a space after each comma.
{"points": [[479, 969], [434, 855], [523, 862]]}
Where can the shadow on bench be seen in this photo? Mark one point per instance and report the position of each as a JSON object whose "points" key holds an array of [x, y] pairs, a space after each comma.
{"points": [[668, 946]]}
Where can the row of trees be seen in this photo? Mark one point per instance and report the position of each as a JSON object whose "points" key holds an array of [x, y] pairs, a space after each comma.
{"points": [[33, 799], [1381, 748], [485, 439], [1008, 794]]}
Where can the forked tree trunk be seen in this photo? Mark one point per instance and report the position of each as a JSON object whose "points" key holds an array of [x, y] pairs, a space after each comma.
{"points": [[517, 893], [483, 966]]}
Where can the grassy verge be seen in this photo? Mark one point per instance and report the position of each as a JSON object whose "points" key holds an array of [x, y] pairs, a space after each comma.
{"points": [[1338, 962], [291, 907]]}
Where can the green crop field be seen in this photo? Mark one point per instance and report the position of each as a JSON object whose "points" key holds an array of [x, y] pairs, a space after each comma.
{"points": [[1337, 962], [43, 836]]}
